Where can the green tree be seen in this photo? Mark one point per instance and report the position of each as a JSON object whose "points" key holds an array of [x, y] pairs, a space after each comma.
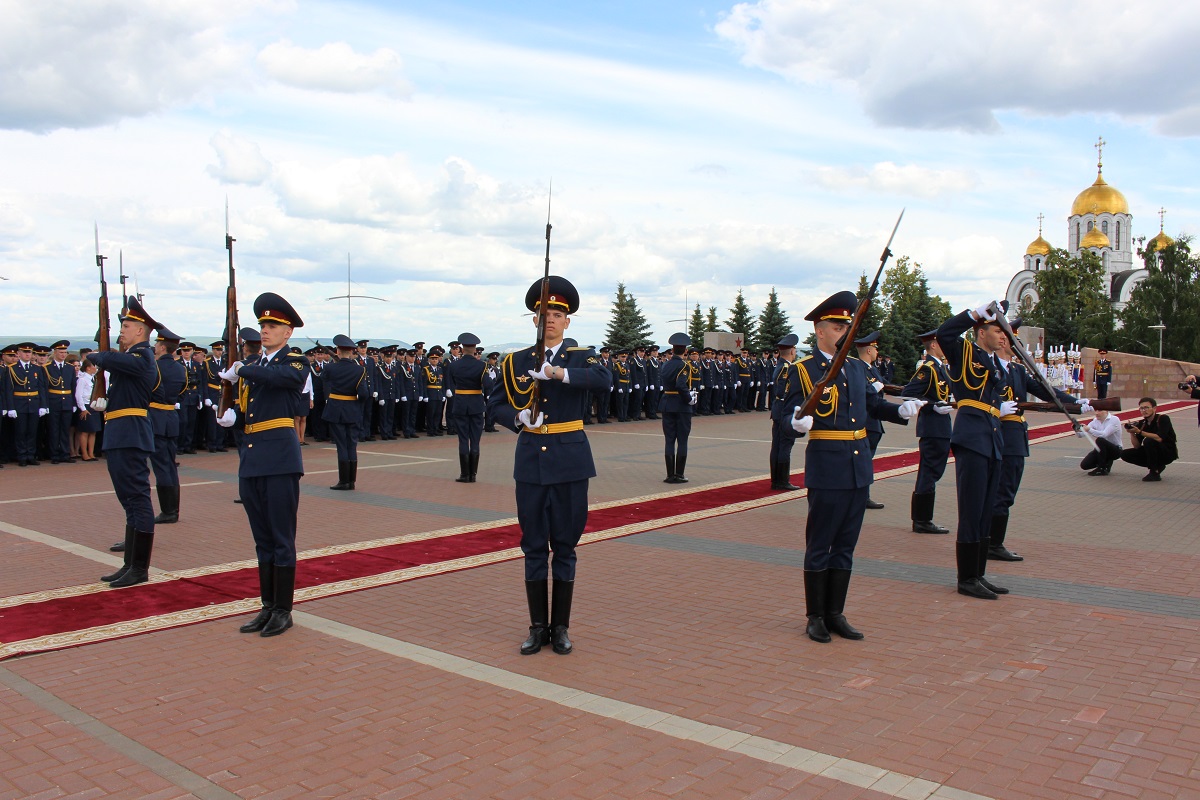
{"points": [[908, 310], [696, 327], [1073, 305], [710, 323], [628, 326], [874, 316], [773, 323], [1169, 296], [741, 320]]}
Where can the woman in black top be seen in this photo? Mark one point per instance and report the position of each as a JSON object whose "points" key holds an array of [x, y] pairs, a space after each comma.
{"points": [[1153, 441]]}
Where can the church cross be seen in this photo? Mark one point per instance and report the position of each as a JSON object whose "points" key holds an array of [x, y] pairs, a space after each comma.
{"points": [[1099, 145], [1162, 212]]}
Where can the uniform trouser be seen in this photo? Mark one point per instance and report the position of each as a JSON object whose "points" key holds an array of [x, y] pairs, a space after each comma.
{"points": [[552, 519], [216, 434], [1101, 389], [781, 443], [470, 430], [25, 437], [1104, 457], [451, 417], [603, 404], [934, 453], [387, 419], [162, 461], [744, 393], [635, 403], [622, 405], [433, 411], [977, 478], [316, 425], [364, 425], [345, 439], [408, 413], [1011, 470], [187, 425], [677, 426], [271, 503], [835, 519], [873, 438], [60, 434], [129, 469]]}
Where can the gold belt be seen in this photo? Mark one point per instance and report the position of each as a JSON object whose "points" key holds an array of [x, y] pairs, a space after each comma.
{"points": [[557, 427], [671, 392], [1012, 418], [163, 406], [839, 436], [349, 397], [987, 408], [126, 412], [214, 386], [60, 391], [468, 391], [270, 425]]}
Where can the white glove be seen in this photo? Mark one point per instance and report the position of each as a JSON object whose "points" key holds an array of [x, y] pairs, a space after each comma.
{"points": [[737, 385], [177, 406], [527, 419], [695, 397], [1081, 433], [878, 386], [403, 399], [1008, 407], [12, 412], [910, 407], [227, 419], [199, 404], [637, 386], [207, 403], [542, 374], [231, 373], [424, 399], [984, 312], [943, 408], [802, 425], [1084, 406], [702, 387], [383, 402], [449, 393], [374, 394], [43, 412]]}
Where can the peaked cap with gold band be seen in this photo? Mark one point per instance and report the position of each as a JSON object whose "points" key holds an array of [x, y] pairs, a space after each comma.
{"points": [[270, 307], [839, 307], [137, 313], [563, 295]]}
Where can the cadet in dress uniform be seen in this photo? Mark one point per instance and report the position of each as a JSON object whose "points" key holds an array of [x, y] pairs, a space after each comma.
{"points": [[368, 405], [637, 382], [129, 438], [976, 440], [603, 396], [406, 387], [490, 377], [8, 451], [553, 461], [622, 384], [430, 386], [269, 462], [60, 392], [930, 383], [654, 389], [25, 402], [165, 399], [1102, 374], [679, 379], [385, 374], [346, 385], [189, 399], [214, 365], [464, 379], [837, 465], [784, 381], [1014, 429], [867, 350], [316, 366]]}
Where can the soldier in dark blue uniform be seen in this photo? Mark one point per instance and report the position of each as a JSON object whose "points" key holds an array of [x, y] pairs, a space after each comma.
{"points": [[837, 465], [430, 387], [784, 382], [553, 460], [602, 397], [368, 405], [867, 351], [1102, 374], [679, 380], [189, 399], [1014, 429], [25, 402], [622, 384], [129, 438], [60, 392], [491, 376], [385, 379], [406, 388], [269, 462], [654, 389], [345, 382], [930, 383], [213, 366], [316, 424], [464, 379], [165, 400], [976, 440]]}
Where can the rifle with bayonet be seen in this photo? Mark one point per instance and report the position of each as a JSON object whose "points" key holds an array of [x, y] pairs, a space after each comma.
{"points": [[232, 347], [99, 398], [847, 341], [544, 300]]}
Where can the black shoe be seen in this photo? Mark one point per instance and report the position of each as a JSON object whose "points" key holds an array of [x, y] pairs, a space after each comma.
{"points": [[838, 624], [670, 463], [539, 617], [973, 588], [539, 636], [1153, 476], [817, 631], [259, 622], [873, 505], [560, 616], [1097, 471], [464, 468], [999, 552], [991, 587], [168, 501], [560, 641], [119, 547], [279, 622], [120, 573], [927, 526], [343, 484]]}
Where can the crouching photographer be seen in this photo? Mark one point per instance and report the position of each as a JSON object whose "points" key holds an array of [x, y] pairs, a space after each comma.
{"points": [[1190, 386], [1152, 440], [1107, 430]]}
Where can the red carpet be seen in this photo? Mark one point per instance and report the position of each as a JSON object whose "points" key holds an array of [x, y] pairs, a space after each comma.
{"points": [[24, 624]]}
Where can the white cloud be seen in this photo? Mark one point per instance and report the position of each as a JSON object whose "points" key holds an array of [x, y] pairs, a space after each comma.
{"points": [[93, 62], [892, 178], [241, 160], [952, 65], [335, 67]]}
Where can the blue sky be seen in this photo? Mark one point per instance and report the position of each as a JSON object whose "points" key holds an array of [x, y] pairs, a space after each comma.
{"points": [[696, 148]]}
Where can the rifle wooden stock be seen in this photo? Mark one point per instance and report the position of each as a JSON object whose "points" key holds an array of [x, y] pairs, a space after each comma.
{"points": [[893, 390], [103, 332]]}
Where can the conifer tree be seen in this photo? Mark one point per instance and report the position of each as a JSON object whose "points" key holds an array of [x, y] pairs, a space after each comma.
{"points": [[773, 323], [696, 327], [710, 323], [628, 326], [741, 320]]}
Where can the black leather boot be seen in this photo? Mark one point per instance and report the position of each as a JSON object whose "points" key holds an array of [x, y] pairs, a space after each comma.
{"points": [[266, 590], [473, 463], [343, 483], [539, 617], [464, 468], [351, 474], [783, 478], [922, 514], [284, 579], [967, 556], [560, 616], [168, 504], [835, 619], [816, 591], [670, 461], [139, 561], [680, 466], [984, 546], [996, 549], [126, 547]]}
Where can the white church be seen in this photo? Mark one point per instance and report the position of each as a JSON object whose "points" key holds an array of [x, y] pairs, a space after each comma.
{"points": [[1100, 222]]}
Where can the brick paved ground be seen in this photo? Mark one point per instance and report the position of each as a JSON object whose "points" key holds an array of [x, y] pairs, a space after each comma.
{"points": [[691, 676]]}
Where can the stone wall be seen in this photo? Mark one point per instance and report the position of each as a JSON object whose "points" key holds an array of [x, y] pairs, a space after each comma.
{"points": [[1140, 376]]}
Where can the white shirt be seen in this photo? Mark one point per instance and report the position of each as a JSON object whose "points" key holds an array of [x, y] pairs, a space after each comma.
{"points": [[1109, 428], [554, 352]]}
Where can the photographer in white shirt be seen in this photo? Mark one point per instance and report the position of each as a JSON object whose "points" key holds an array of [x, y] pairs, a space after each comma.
{"points": [[1107, 430]]}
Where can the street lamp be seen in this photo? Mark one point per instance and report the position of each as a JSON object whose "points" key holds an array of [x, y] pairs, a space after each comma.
{"points": [[1160, 328]]}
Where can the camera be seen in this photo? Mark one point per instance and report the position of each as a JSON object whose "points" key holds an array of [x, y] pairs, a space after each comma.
{"points": [[1187, 386], [1129, 426]]}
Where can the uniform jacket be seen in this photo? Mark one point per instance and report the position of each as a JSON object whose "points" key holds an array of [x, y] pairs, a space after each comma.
{"points": [[269, 442], [430, 381], [873, 423], [406, 381], [974, 377], [465, 377], [931, 383], [168, 390], [131, 380], [345, 387], [25, 388], [549, 458], [621, 380], [783, 381], [678, 378], [189, 395], [60, 386]]}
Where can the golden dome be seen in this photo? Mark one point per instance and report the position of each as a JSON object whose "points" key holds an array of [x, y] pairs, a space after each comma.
{"points": [[1095, 238], [1159, 242], [1099, 198], [1038, 247]]}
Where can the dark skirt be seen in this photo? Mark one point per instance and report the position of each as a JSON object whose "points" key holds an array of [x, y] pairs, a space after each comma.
{"points": [[92, 424]]}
